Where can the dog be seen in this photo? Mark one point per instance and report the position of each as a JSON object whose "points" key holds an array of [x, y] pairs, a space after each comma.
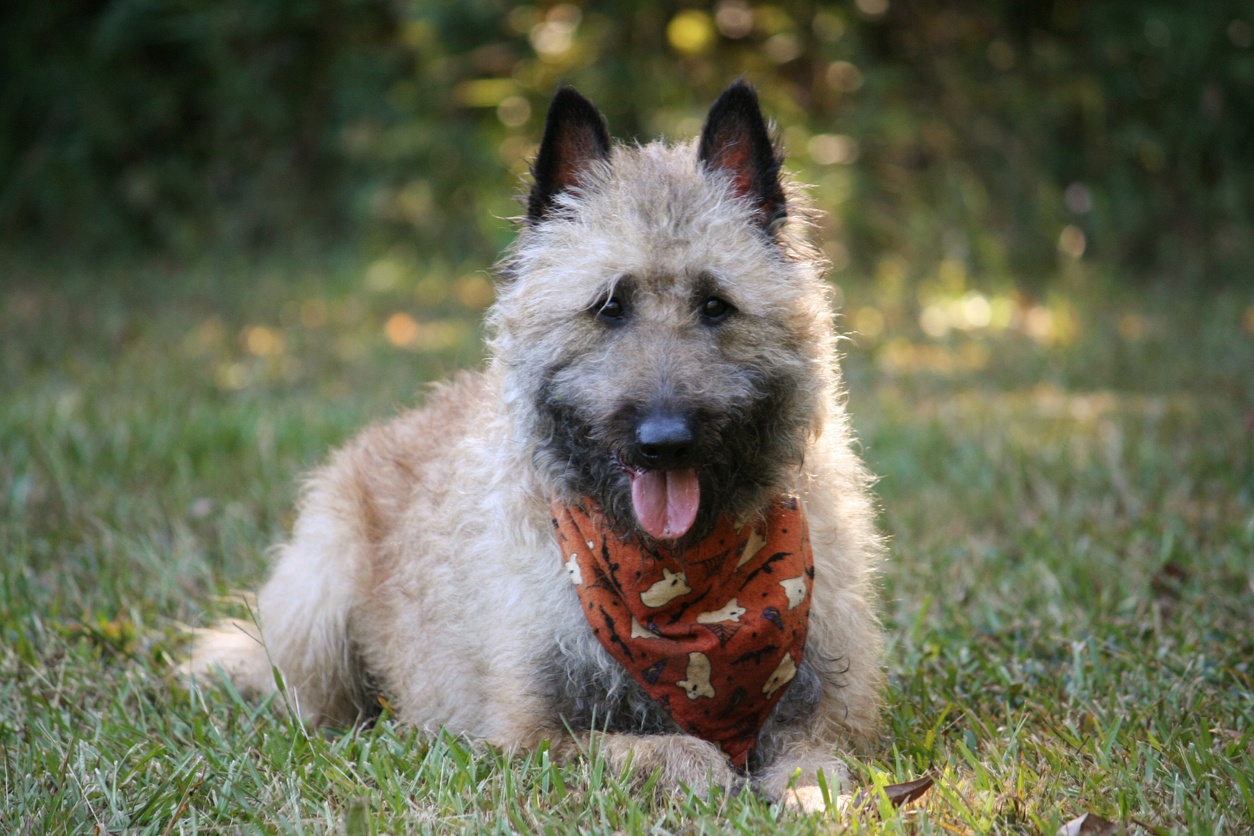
{"points": [[659, 432]]}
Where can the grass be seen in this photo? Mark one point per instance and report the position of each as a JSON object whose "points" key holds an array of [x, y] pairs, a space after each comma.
{"points": [[1069, 487]]}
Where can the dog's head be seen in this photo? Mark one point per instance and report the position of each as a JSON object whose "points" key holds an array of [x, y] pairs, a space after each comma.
{"points": [[662, 324]]}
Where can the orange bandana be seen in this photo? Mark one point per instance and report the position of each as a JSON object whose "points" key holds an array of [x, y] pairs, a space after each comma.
{"points": [[714, 631]]}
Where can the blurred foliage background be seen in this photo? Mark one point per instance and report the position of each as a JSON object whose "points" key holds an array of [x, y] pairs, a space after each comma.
{"points": [[983, 143]]}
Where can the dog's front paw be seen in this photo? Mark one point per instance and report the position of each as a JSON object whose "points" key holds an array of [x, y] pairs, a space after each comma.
{"points": [[812, 799], [796, 784], [808, 799], [681, 760]]}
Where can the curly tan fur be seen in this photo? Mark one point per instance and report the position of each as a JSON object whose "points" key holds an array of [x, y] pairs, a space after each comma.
{"points": [[423, 562]]}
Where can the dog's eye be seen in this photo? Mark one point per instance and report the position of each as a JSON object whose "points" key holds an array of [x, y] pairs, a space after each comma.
{"points": [[612, 310], [715, 309]]}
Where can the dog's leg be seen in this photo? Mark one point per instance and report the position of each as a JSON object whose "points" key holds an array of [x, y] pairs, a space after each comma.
{"points": [[303, 612], [524, 718], [793, 776], [682, 760], [796, 751], [832, 710]]}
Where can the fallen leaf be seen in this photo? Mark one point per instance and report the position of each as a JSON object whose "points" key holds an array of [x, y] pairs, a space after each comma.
{"points": [[1167, 587], [898, 794], [1089, 824], [909, 791]]}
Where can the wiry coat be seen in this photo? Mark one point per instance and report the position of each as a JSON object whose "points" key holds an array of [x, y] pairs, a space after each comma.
{"points": [[423, 562]]}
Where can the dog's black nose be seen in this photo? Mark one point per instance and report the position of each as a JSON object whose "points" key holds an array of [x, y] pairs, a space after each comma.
{"points": [[664, 441]]}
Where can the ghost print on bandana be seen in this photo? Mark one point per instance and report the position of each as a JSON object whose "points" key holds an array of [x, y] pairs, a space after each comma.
{"points": [[713, 631]]}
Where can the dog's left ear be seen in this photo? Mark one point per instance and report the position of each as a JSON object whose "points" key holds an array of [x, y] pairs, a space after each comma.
{"points": [[736, 140], [574, 138]]}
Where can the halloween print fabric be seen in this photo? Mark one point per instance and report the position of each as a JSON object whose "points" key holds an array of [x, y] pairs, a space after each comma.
{"points": [[714, 631]]}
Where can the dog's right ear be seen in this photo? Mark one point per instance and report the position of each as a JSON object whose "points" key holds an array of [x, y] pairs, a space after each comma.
{"points": [[574, 138], [736, 140]]}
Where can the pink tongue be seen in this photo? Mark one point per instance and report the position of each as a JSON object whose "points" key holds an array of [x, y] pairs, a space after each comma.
{"points": [[665, 501]]}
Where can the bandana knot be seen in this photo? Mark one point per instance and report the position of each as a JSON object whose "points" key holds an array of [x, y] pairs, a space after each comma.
{"points": [[713, 631]]}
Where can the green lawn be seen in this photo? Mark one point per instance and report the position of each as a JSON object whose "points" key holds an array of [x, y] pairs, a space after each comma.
{"points": [[1068, 482]]}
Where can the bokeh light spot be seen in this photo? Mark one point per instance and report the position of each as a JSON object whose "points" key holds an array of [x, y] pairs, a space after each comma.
{"points": [[1071, 241], [734, 18], [691, 32], [401, 330], [872, 8], [832, 149], [263, 341]]}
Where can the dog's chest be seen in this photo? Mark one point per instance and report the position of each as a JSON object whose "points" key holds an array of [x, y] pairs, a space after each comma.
{"points": [[588, 689]]}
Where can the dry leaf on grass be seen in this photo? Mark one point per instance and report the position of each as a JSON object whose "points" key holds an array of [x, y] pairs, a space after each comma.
{"points": [[902, 793], [1089, 824], [897, 794]]}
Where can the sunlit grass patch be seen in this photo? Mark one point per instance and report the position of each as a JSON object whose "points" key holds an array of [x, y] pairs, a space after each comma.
{"points": [[1069, 596]]}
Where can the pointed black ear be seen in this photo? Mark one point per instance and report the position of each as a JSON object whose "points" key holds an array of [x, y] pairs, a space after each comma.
{"points": [[574, 138], [736, 140]]}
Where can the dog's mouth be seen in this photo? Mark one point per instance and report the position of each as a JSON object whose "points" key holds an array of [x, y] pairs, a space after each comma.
{"points": [[665, 502]]}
